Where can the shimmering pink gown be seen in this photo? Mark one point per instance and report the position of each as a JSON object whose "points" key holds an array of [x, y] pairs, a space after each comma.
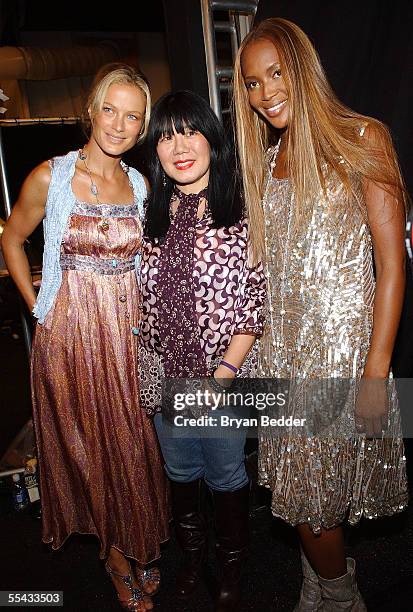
{"points": [[100, 466]]}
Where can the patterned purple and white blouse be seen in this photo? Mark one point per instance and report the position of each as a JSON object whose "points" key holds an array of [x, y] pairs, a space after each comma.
{"points": [[229, 297]]}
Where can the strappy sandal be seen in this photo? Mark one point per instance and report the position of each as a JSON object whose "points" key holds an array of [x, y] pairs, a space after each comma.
{"points": [[146, 576], [137, 595]]}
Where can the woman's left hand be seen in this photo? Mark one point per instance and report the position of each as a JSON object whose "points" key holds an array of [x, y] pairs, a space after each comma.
{"points": [[219, 375]]}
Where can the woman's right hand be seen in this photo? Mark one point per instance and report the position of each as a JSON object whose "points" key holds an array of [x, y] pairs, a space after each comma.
{"points": [[372, 407]]}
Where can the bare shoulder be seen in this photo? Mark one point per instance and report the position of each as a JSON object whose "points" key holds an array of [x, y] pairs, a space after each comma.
{"points": [[40, 176], [35, 188]]}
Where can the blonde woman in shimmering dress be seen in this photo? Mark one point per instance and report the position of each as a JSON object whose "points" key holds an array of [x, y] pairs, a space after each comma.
{"points": [[100, 464], [324, 202]]}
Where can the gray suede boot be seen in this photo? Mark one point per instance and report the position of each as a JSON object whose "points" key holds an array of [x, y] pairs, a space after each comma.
{"points": [[342, 593], [310, 596]]}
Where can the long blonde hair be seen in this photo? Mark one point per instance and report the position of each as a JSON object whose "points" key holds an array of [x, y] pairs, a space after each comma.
{"points": [[322, 132], [116, 73]]}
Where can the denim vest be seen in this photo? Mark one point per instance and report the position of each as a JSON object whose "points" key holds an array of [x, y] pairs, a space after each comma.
{"points": [[59, 204]]}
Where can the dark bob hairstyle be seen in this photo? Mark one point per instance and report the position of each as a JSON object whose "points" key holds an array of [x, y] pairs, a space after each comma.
{"points": [[186, 110]]}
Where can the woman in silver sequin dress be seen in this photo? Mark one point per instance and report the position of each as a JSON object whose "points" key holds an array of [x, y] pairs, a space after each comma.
{"points": [[324, 202]]}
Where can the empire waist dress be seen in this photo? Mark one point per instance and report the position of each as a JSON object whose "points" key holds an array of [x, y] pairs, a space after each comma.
{"points": [[100, 466], [321, 293]]}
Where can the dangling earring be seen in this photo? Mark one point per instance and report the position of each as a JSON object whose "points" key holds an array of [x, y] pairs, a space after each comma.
{"points": [[163, 179]]}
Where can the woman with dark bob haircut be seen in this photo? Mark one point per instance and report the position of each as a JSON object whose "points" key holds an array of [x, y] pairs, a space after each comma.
{"points": [[201, 312]]}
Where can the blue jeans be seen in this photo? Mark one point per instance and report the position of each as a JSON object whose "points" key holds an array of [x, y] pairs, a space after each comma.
{"points": [[216, 456]]}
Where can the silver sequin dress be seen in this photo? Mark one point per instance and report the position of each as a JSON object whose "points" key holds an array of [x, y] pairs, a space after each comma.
{"points": [[320, 311]]}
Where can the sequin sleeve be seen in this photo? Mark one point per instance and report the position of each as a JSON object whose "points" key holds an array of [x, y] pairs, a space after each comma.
{"points": [[249, 315]]}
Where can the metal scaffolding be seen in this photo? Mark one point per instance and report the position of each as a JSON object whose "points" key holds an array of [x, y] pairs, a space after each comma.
{"points": [[240, 18]]}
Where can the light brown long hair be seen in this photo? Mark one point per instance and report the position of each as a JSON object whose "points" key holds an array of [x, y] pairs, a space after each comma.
{"points": [[322, 132]]}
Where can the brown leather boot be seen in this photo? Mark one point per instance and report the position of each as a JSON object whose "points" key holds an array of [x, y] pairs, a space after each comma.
{"points": [[231, 523], [191, 533]]}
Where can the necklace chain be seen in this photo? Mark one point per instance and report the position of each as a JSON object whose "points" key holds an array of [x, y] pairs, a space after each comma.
{"points": [[103, 224], [93, 186], [274, 157]]}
